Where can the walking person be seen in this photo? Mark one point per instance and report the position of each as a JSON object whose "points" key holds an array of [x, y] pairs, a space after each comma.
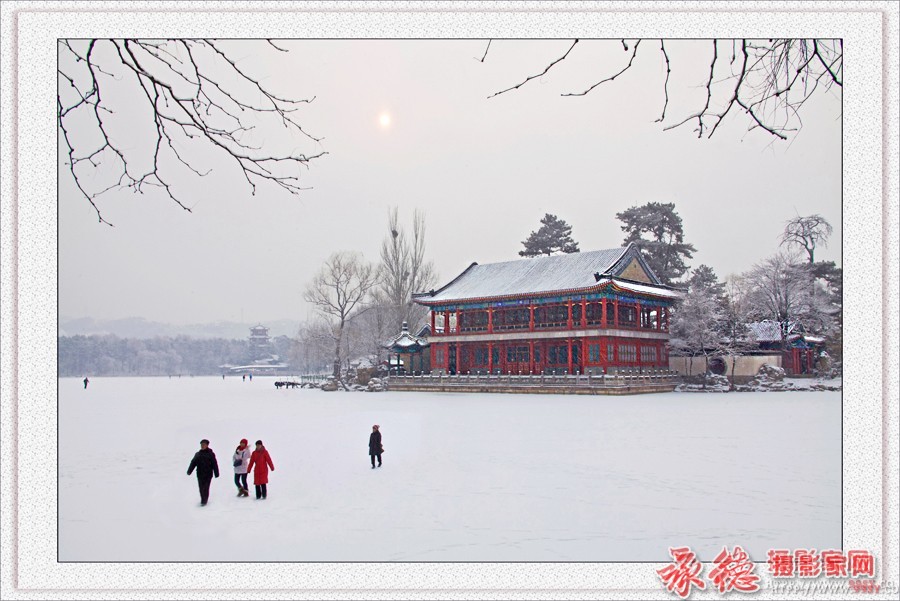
{"points": [[375, 448], [86, 382], [205, 463], [241, 461], [260, 463]]}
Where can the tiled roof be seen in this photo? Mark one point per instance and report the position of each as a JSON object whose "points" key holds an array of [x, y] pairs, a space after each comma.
{"points": [[534, 276]]}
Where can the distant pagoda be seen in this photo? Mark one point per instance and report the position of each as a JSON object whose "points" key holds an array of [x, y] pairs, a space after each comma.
{"points": [[260, 343]]}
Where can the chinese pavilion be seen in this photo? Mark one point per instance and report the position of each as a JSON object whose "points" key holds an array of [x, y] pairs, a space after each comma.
{"points": [[581, 313]]}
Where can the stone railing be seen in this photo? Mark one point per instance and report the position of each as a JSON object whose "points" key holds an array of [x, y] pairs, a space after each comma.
{"points": [[624, 381]]}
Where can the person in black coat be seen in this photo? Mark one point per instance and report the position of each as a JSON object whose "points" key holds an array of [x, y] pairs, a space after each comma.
{"points": [[205, 463], [375, 448]]}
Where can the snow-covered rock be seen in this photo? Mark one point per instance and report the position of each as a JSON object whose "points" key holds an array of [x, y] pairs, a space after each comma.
{"points": [[375, 385], [330, 385], [770, 372]]}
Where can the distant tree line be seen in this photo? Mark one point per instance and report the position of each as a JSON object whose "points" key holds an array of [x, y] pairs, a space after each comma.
{"points": [[110, 355]]}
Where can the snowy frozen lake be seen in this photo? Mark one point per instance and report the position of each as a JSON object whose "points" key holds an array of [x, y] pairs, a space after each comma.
{"points": [[466, 477]]}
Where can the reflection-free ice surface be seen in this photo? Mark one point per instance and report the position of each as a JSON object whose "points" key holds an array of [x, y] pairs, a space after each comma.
{"points": [[466, 477]]}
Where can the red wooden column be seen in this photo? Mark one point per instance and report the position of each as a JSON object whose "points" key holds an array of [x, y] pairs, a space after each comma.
{"points": [[490, 357], [569, 318], [615, 313], [640, 316], [458, 358], [531, 356], [432, 323], [531, 317], [569, 345], [490, 320], [584, 313], [446, 323], [603, 312], [659, 311], [584, 353]]}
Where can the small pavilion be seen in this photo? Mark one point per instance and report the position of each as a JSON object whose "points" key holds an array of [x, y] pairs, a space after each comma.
{"points": [[413, 347]]}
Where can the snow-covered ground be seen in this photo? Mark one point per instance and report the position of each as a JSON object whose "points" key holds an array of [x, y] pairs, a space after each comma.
{"points": [[466, 477]]}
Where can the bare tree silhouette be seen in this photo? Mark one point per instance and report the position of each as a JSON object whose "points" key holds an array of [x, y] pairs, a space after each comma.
{"points": [[192, 96], [769, 80]]}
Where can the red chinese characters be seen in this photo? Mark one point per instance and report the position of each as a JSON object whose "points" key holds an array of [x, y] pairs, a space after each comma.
{"points": [[734, 571], [808, 564], [862, 563], [834, 564], [683, 573], [781, 563]]}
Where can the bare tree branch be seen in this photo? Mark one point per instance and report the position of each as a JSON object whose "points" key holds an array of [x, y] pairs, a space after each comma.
{"points": [[195, 95], [771, 82], [488, 47], [628, 66], [539, 74], [662, 47]]}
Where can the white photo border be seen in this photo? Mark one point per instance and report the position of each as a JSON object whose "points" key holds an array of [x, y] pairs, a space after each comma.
{"points": [[29, 212]]}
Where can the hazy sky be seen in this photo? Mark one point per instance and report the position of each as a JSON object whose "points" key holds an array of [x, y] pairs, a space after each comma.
{"points": [[483, 170]]}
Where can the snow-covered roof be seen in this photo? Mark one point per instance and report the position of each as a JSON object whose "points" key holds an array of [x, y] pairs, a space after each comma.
{"points": [[766, 330], [405, 341], [643, 288], [770, 331], [541, 275]]}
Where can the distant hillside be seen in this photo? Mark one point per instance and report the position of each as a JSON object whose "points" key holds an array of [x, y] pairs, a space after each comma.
{"points": [[138, 327]]}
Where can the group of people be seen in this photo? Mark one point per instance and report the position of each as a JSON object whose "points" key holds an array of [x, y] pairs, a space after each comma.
{"points": [[244, 461], [258, 461]]}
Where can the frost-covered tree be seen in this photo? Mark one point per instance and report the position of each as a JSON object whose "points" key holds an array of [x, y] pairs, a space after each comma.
{"points": [[554, 236], [808, 233], [704, 278], [656, 229], [403, 271], [696, 328], [737, 338], [338, 291], [830, 282], [313, 348], [782, 288]]}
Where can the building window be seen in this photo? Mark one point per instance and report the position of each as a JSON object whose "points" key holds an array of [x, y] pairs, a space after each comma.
{"points": [[594, 353], [558, 355], [439, 356], [481, 356], [495, 355], [627, 315], [627, 353], [474, 321], [537, 354], [648, 354], [554, 316], [593, 313], [517, 354], [610, 353]]}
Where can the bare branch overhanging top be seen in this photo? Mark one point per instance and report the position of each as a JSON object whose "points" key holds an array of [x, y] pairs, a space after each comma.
{"points": [[196, 99], [771, 82]]}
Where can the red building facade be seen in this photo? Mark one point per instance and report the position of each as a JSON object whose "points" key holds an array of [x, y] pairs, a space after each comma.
{"points": [[591, 312]]}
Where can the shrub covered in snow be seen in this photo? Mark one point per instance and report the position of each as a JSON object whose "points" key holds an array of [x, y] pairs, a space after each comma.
{"points": [[375, 385]]}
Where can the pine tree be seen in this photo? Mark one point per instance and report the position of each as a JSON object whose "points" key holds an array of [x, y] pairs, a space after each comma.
{"points": [[554, 236], [664, 246]]}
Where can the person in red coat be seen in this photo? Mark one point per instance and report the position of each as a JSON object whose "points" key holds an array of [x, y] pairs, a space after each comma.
{"points": [[260, 463]]}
